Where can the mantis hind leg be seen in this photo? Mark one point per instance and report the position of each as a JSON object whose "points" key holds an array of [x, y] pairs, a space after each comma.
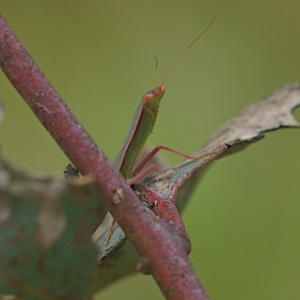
{"points": [[111, 230], [138, 174]]}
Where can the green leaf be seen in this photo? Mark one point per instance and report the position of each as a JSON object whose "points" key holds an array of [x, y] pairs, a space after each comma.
{"points": [[46, 225]]}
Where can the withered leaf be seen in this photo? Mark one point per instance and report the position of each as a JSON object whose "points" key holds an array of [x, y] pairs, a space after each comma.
{"points": [[270, 113]]}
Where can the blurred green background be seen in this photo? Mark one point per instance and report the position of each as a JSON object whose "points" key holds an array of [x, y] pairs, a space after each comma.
{"points": [[244, 219]]}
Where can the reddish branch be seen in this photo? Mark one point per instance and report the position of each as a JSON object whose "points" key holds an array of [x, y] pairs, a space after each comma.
{"points": [[162, 250]]}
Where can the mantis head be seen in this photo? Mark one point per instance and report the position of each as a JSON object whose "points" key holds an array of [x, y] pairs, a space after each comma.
{"points": [[153, 96]]}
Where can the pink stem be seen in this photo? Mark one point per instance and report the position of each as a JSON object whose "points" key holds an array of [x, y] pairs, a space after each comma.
{"points": [[153, 240]]}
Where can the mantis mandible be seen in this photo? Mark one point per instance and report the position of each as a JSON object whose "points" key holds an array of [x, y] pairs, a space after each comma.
{"points": [[141, 127]]}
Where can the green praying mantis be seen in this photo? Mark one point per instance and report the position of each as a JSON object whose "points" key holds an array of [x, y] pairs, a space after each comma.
{"points": [[141, 127]]}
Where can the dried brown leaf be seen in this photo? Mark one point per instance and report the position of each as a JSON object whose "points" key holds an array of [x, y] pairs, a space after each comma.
{"points": [[270, 113]]}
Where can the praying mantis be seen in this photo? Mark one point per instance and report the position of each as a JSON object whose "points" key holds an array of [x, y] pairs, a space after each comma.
{"points": [[141, 127]]}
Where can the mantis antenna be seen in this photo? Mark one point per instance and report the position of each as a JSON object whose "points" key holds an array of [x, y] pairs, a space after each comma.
{"points": [[156, 67], [188, 47]]}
